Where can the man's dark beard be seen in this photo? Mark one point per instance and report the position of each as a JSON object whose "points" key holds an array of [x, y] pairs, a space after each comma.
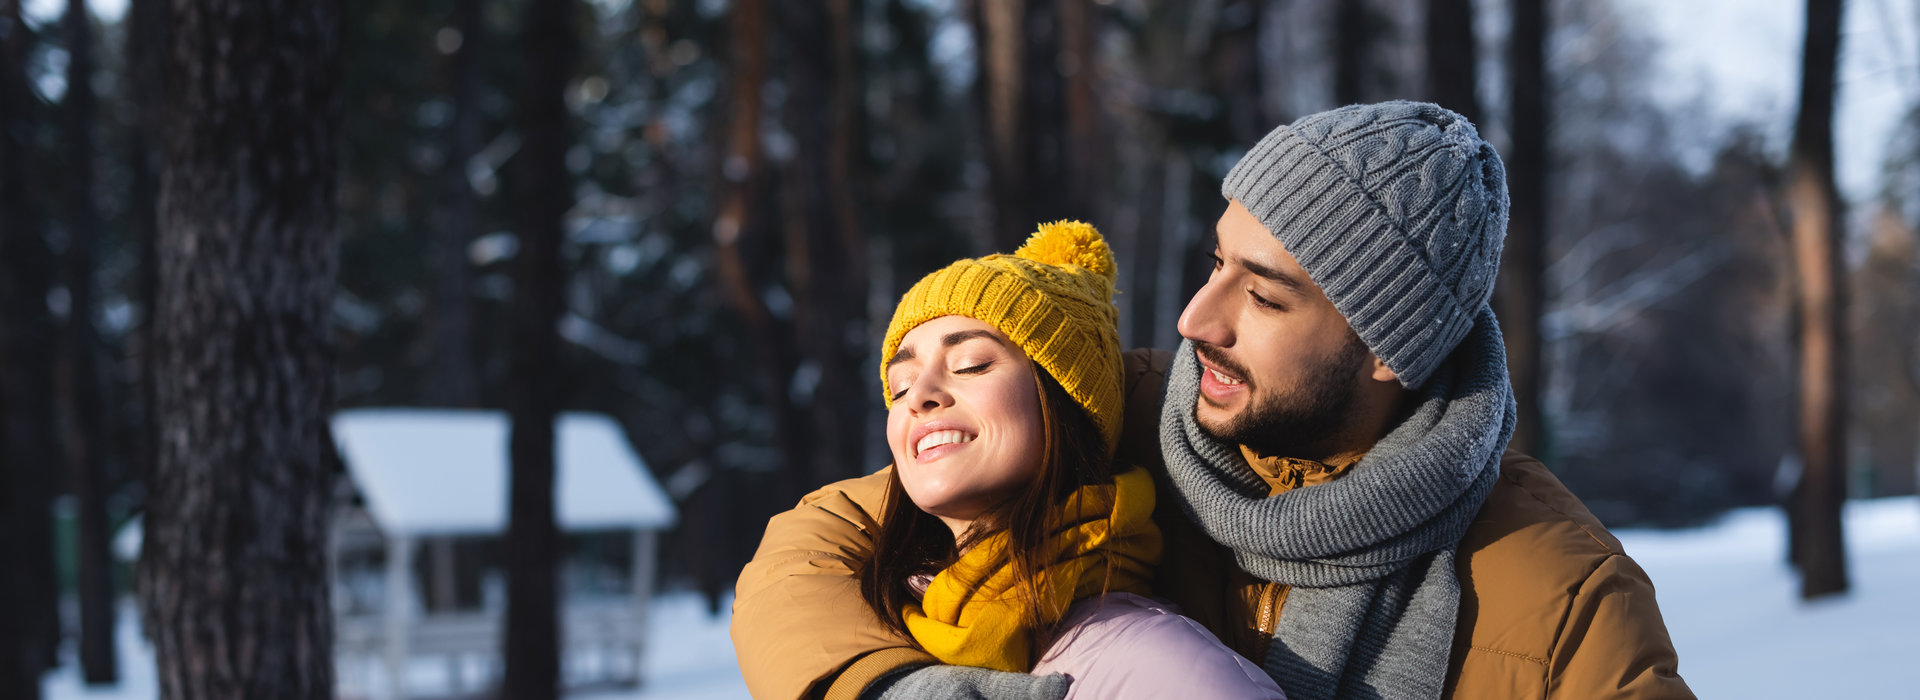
{"points": [[1305, 423]]}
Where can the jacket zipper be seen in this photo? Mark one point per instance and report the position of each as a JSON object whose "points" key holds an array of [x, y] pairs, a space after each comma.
{"points": [[1268, 619]]}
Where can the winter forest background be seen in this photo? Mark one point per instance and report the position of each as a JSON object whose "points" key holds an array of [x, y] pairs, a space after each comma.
{"points": [[221, 220]]}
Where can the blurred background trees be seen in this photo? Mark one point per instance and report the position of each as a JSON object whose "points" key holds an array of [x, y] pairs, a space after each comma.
{"points": [[732, 194]]}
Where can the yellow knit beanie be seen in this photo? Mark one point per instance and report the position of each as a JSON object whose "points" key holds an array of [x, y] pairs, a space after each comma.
{"points": [[1053, 297]]}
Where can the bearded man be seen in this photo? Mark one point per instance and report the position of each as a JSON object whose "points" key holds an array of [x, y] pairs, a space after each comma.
{"points": [[1337, 498]]}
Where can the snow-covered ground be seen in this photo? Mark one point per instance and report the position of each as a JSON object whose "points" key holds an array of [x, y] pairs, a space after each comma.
{"points": [[1742, 632], [1731, 605], [689, 657]]}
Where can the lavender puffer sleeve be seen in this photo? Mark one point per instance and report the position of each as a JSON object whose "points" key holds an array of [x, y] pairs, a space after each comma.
{"points": [[1124, 646]]}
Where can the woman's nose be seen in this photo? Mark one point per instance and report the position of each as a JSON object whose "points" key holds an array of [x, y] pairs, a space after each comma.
{"points": [[927, 394]]}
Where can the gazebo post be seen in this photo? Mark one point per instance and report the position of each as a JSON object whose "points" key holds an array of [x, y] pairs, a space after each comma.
{"points": [[398, 612], [643, 542], [441, 550]]}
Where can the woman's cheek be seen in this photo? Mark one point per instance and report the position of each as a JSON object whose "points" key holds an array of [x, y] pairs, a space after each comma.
{"points": [[896, 435]]}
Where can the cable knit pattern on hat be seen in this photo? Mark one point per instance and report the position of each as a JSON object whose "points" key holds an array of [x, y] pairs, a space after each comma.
{"points": [[1396, 210], [1053, 298]]}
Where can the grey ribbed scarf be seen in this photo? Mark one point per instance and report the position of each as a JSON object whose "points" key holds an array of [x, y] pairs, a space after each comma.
{"points": [[1369, 557]]}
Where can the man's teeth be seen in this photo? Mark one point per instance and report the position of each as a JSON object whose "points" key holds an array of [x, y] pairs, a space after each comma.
{"points": [[944, 437], [1223, 379]]}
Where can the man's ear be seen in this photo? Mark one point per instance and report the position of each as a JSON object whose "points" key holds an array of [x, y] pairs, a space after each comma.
{"points": [[1381, 372]]}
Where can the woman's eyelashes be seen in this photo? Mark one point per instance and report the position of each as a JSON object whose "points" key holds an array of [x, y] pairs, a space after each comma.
{"points": [[976, 368]]}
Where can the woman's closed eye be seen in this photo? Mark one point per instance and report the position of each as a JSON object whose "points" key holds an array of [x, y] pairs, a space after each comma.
{"points": [[980, 368]]}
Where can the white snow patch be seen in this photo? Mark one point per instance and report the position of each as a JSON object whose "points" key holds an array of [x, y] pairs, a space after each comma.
{"points": [[1733, 608], [689, 657]]}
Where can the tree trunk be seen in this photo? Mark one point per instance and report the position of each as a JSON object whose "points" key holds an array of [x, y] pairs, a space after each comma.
{"points": [[1352, 51], [1453, 57], [1817, 231], [233, 577], [1521, 295], [1025, 101], [742, 258], [78, 375], [1242, 78], [146, 52], [545, 189], [19, 674], [826, 252], [27, 333], [453, 380]]}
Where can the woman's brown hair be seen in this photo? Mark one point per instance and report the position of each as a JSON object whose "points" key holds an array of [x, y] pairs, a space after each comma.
{"points": [[911, 542]]}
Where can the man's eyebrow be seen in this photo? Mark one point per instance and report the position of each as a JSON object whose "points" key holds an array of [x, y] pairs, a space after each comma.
{"points": [[1283, 279]]}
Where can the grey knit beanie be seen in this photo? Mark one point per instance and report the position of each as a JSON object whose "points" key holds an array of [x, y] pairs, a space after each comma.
{"points": [[1397, 210]]}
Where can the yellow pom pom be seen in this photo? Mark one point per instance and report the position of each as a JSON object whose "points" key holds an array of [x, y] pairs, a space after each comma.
{"points": [[1071, 243]]}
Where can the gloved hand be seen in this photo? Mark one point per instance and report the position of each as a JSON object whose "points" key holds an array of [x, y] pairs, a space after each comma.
{"points": [[966, 683]]}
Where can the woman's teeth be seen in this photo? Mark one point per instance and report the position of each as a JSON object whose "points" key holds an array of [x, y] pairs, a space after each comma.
{"points": [[1223, 379], [944, 437]]}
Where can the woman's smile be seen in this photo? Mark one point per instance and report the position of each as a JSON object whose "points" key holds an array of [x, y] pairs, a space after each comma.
{"points": [[940, 444]]}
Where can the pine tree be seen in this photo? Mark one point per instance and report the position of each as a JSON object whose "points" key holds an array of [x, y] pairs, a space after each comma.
{"points": [[545, 193], [78, 374], [1819, 547], [233, 578], [1521, 294]]}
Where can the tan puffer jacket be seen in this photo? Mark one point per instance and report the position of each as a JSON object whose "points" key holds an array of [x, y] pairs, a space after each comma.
{"points": [[1551, 607]]}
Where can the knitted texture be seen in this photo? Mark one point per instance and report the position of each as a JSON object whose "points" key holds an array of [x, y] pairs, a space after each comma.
{"points": [[1370, 556], [1053, 298], [973, 613], [1397, 210]]}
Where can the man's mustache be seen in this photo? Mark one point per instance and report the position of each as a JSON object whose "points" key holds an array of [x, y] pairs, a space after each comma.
{"points": [[1218, 358]]}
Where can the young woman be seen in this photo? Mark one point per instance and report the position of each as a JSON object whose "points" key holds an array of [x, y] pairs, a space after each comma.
{"points": [[1009, 539]]}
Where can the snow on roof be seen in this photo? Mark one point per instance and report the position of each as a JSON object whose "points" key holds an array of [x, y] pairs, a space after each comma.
{"points": [[443, 471]]}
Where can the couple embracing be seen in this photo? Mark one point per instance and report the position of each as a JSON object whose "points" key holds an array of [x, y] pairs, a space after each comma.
{"points": [[1310, 498]]}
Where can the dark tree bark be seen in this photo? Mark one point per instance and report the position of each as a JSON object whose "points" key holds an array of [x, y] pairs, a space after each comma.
{"points": [[826, 252], [1024, 101], [23, 647], [1815, 203], [1521, 295], [1238, 73], [27, 337], [233, 578], [78, 373], [1352, 51], [146, 53], [545, 193], [1080, 141], [453, 378], [19, 674], [743, 255], [745, 259], [1453, 57]]}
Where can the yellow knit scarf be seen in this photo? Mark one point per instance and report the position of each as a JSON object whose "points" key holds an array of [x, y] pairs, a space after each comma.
{"points": [[974, 613]]}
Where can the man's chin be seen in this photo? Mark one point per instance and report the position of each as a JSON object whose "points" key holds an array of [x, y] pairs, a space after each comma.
{"points": [[1214, 419]]}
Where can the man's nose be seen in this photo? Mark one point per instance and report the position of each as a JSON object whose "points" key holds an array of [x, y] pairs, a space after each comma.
{"points": [[1207, 318]]}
